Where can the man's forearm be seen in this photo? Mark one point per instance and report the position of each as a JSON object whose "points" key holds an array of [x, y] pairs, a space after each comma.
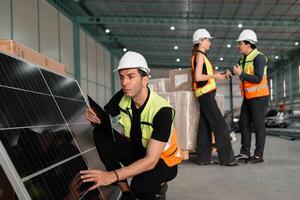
{"points": [[138, 167]]}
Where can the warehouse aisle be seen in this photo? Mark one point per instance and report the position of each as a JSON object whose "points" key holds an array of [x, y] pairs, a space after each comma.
{"points": [[276, 179]]}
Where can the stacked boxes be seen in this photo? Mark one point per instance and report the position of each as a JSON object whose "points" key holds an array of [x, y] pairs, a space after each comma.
{"points": [[220, 101], [186, 118], [181, 80], [159, 84], [178, 90], [16, 49]]}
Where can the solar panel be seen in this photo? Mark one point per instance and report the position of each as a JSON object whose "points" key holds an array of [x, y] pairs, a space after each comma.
{"points": [[45, 138]]}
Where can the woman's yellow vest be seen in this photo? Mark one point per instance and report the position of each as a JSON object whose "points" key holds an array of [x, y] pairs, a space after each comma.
{"points": [[251, 90], [211, 83], [172, 154]]}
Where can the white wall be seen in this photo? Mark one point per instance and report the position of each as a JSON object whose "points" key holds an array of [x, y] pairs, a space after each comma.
{"points": [[66, 40], [25, 23], [40, 26], [5, 21], [49, 35]]}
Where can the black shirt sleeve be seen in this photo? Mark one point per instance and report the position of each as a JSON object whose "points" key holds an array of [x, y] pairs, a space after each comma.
{"points": [[162, 124], [259, 63], [112, 107]]}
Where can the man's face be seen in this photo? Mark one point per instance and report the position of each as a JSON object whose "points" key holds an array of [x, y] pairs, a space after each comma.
{"points": [[243, 47], [132, 82]]}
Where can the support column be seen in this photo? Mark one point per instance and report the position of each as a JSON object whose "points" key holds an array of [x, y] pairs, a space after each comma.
{"points": [[290, 86], [275, 88], [76, 38], [112, 74]]}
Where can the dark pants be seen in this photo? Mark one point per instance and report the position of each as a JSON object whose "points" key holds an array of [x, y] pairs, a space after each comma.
{"points": [[113, 152], [253, 113], [211, 120]]}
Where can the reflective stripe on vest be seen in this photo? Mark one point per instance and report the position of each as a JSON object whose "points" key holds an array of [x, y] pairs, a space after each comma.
{"points": [[248, 89], [211, 83], [172, 154]]}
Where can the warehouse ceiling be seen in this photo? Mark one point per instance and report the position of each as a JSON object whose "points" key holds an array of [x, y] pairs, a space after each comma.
{"points": [[162, 29]]}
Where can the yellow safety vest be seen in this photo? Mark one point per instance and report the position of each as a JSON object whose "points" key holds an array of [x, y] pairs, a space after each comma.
{"points": [[172, 154], [211, 83], [251, 90]]}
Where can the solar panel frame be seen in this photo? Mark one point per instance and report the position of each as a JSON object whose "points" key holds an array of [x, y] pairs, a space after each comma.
{"points": [[6, 162]]}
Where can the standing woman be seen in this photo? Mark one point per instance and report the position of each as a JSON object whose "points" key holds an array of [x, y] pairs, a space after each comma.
{"points": [[211, 119]]}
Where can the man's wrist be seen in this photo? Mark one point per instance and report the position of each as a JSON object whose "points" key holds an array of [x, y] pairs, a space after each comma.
{"points": [[116, 175]]}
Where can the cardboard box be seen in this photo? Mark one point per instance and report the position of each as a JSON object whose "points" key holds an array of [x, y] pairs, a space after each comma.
{"points": [[181, 80], [160, 84], [220, 101], [14, 48], [186, 118], [166, 95]]}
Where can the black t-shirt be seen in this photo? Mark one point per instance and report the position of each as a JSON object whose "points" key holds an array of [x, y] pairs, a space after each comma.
{"points": [[161, 123], [204, 70]]}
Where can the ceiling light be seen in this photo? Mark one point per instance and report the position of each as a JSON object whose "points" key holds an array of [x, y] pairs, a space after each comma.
{"points": [[216, 67], [107, 30], [177, 60], [240, 25], [276, 57], [221, 58], [228, 45], [172, 28], [296, 43], [175, 47], [124, 49]]}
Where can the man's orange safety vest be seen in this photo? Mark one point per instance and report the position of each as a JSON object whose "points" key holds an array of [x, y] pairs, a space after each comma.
{"points": [[251, 90]]}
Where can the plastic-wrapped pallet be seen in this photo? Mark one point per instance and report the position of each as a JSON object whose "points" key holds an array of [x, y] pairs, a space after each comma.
{"points": [[186, 119], [165, 95], [160, 84], [187, 116], [220, 101]]}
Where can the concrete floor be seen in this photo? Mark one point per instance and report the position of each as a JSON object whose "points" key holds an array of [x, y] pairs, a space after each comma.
{"points": [[278, 178]]}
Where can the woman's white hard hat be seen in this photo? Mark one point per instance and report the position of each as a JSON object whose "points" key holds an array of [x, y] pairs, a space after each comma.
{"points": [[200, 34]]}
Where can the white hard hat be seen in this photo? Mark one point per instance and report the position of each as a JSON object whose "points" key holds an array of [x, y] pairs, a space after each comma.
{"points": [[133, 60], [248, 35], [200, 34]]}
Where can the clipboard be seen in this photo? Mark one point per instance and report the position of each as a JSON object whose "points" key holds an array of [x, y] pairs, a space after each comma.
{"points": [[103, 115]]}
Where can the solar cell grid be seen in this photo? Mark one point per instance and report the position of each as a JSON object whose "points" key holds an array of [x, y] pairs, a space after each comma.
{"points": [[63, 87], [33, 149], [21, 108], [44, 131], [18, 74]]}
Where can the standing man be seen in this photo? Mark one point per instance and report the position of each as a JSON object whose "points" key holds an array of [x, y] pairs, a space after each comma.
{"points": [[252, 70], [147, 146]]}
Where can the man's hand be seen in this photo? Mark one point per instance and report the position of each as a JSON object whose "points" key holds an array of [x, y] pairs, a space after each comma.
{"points": [[99, 177], [74, 191], [91, 116], [228, 74], [237, 70]]}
